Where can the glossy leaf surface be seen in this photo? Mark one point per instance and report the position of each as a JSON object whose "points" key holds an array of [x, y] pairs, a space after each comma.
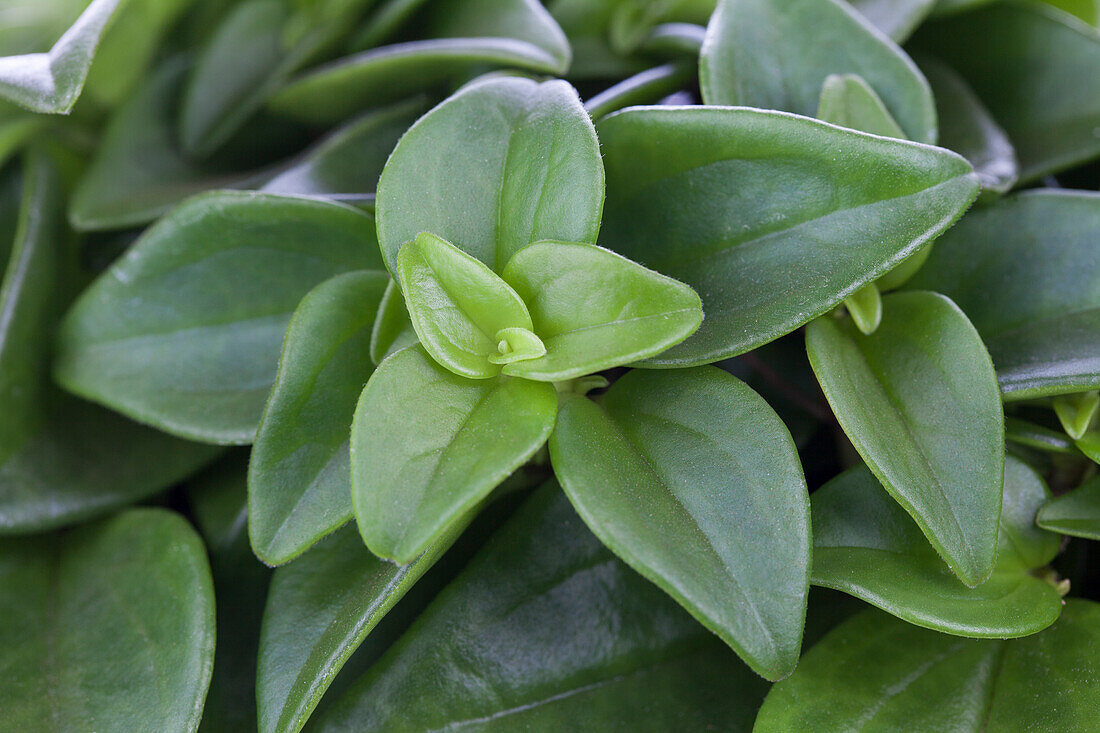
{"points": [[847, 100], [866, 545], [769, 54], [693, 480], [1076, 514], [932, 681], [919, 401], [594, 309], [1041, 323], [589, 634], [86, 642], [299, 474], [719, 214], [175, 335], [428, 445], [502, 163]]}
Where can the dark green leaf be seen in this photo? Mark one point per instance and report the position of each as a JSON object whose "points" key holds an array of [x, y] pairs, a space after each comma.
{"points": [[427, 446], [184, 332], [594, 309], [1076, 513], [692, 479], [769, 54], [647, 87], [932, 681], [1041, 322], [559, 632], [299, 476], [919, 401], [109, 627], [503, 163], [748, 193], [895, 18], [393, 330]]}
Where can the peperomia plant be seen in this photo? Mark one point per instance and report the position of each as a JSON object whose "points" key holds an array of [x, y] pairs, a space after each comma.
{"points": [[586, 364]]}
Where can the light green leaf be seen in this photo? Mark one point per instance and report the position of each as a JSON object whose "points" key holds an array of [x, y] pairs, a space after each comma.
{"points": [[463, 313], [1042, 321], [866, 545], [896, 18], [502, 163], [769, 54], [393, 329], [427, 446], [704, 195], [932, 681], [1089, 444], [216, 281], [1034, 68], [1086, 10], [109, 627], [865, 308], [299, 476], [1077, 412], [919, 401], [692, 479], [51, 82], [594, 309], [590, 635], [847, 100], [1076, 513]]}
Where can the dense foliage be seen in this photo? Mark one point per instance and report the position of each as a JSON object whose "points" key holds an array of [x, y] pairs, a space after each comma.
{"points": [[587, 365]]}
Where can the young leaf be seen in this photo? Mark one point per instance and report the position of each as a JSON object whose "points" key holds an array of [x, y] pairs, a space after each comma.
{"points": [[217, 281], [299, 476], [866, 545], [392, 330], [865, 308], [1042, 321], [1033, 68], [693, 480], [502, 163], [1077, 412], [51, 82], [1076, 514], [847, 100], [107, 627], [769, 54], [427, 446], [747, 193], [919, 401], [932, 681], [463, 313], [590, 636], [594, 309], [896, 18]]}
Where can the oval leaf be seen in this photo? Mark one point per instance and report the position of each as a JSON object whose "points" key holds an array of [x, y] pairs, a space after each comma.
{"points": [[719, 215], [692, 479], [919, 401], [427, 446], [217, 281], [847, 100], [594, 309], [769, 54], [1076, 514], [299, 476], [87, 628], [393, 330], [502, 163]]}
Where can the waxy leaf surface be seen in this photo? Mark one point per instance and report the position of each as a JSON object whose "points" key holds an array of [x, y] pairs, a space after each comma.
{"points": [[1076, 514]]}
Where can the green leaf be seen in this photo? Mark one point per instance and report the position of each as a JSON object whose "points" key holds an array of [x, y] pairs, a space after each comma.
{"points": [[967, 128], [932, 681], [1089, 444], [692, 479], [1076, 514], [347, 164], [1086, 10], [559, 632], [502, 163], [1077, 412], [847, 100], [769, 54], [198, 357], [393, 330], [896, 18], [647, 87], [299, 476], [718, 213], [319, 610], [1038, 437], [865, 308], [866, 545], [1033, 67], [427, 446], [1041, 323], [109, 627], [51, 82], [384, 22], [594, 309], [463, 313], [464, 36], [919, 401], [137, 172]]}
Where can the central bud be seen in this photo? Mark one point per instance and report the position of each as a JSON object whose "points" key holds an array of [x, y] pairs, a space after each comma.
{"points": [[516, 344]]}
